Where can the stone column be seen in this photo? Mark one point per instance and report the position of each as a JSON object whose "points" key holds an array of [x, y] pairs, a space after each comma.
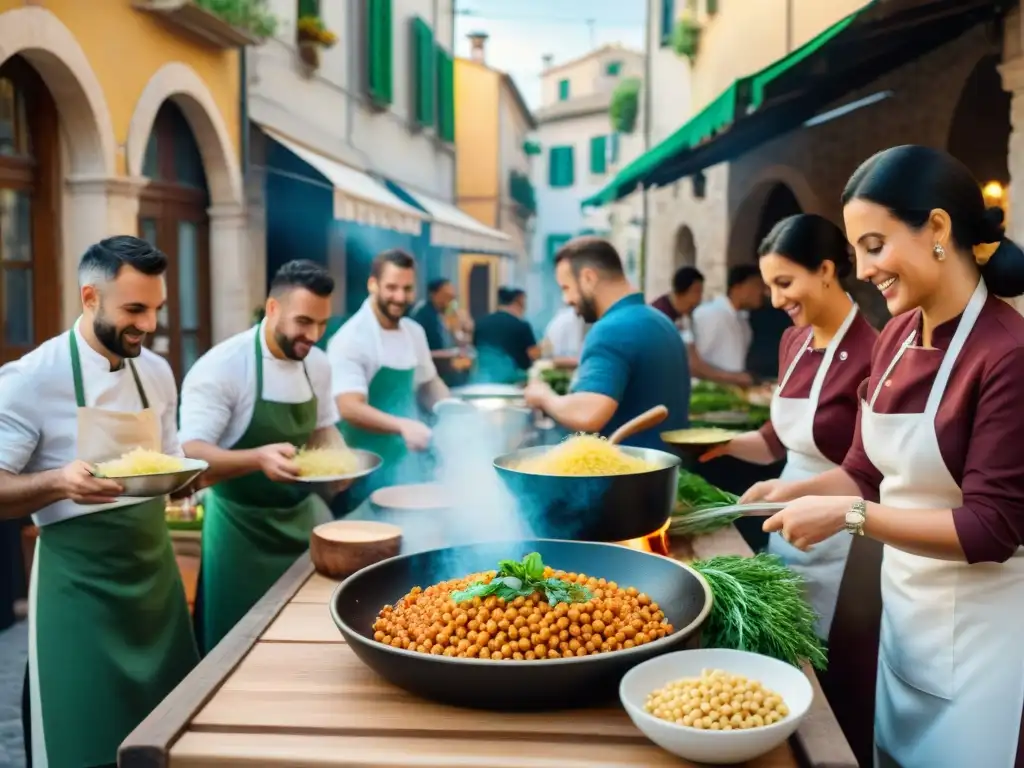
{"points": [[231, 263], [95, 207]]}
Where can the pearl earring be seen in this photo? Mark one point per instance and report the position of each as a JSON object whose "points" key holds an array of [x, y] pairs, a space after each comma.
{"points": [[939, 252]]}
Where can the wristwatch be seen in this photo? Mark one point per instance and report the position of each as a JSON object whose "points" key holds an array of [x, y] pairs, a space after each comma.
{"points": [[856, 517]]}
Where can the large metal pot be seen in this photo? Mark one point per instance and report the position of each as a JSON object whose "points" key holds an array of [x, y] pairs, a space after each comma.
{"points": [[594, 508], [501, 422]]}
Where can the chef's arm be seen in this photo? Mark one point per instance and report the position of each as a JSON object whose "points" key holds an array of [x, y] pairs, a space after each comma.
{"points": [[751, 447], [925, 532], [354, 409], [433, 392], [224, 463], [24, 494], [834, 482], [567, 363], [580, 411], [702, 369]]}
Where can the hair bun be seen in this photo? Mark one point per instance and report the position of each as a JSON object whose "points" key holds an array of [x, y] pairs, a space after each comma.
{"points": [[992, 230]]}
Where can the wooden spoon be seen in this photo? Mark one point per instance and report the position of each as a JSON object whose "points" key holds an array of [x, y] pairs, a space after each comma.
{"points": [[645, 420]]}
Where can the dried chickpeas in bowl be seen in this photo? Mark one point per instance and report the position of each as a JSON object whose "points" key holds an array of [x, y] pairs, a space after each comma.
{"points": [[717, 701]]}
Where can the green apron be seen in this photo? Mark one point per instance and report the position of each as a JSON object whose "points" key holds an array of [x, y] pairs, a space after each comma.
{"points": [[393, 391], [254, 528], [110, 631]]}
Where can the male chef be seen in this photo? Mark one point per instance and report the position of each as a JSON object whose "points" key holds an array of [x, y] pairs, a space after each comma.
{"points": [[247, 405], [633, 357], [381, 372], [109, 628]]}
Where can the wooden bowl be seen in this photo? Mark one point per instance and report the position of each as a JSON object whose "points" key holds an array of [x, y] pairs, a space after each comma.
{"points": [[342, 547]]}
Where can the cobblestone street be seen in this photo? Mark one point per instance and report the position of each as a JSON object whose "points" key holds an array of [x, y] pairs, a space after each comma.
{"points": [[13, 652]]}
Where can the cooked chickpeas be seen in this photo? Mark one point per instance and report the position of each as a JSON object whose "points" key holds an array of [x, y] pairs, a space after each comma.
{"points": [[717, 701], [523, 629]]}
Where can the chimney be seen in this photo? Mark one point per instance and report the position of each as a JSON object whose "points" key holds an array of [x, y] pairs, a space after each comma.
{"points": [[547, 60], [477, 40]]}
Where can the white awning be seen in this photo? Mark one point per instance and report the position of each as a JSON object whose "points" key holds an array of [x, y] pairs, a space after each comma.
{"points": [[452, 228], [358, 197]]}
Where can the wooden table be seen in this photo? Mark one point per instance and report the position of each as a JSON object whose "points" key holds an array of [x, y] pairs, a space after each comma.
{"points": [[284, 689]]}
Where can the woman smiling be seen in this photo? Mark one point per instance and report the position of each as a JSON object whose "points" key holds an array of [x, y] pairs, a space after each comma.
{"points": [[931, 473], [823, 360]]}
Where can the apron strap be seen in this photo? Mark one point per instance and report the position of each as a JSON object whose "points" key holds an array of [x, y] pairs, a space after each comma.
{"points": [[792, 365], [963, 329], [259, 368], [892, 364], [830, 351], [76, 374]]}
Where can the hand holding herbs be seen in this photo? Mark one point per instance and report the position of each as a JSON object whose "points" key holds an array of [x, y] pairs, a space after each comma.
{"points": [[523, 580], [697, 504], [759, 606]]}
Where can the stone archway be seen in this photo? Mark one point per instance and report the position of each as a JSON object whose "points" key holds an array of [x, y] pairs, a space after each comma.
{"points": [[768, 199], [231, 281], [43, 40], [49, 47], [685, 250]]}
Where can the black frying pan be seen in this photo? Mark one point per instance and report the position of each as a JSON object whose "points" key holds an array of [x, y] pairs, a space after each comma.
{"points": [[681, 592]]}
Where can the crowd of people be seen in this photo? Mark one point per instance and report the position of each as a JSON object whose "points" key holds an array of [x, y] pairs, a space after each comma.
{"points": [[894, 442]]}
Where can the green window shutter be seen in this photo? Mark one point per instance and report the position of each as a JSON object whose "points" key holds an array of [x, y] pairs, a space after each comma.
{"points": [[554, 244], [614, 151], [445, 95], [598, 155], [380, 52], [563, 90], [426, 81], [309, 8], [560, 167], [711, 6], [613, 68], [668, 21]]}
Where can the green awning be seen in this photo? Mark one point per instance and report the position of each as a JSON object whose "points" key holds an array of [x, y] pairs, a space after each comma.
{"points": [[856, 50]]}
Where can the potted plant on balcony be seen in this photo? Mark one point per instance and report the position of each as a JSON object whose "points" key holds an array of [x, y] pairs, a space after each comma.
{"points": [[220, 23], [313, 35], [625, 105], [686, 36]]}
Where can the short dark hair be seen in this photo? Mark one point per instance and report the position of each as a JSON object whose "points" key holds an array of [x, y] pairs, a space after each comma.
{"points": [[740, 274], [591, 252], [398, 257], [509, 295], [437, 284], [911, 181], [809, 240], [302, 273], [684, 278], [103, 261]]}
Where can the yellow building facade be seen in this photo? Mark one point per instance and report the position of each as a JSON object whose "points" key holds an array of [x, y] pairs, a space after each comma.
{"points": [[116, 119], [492, 128]]}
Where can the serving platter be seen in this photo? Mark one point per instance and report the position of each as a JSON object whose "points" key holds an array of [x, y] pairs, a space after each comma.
{"points": [[369, 462]]}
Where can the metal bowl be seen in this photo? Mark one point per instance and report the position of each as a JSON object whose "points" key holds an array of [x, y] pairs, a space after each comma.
{"points": [[488, 391], [681, 592], [594, 508], [368, 463], [162, 484]]}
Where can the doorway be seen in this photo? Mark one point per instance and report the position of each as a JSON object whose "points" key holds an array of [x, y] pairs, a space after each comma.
{"points": [[173, 217], [30, 294], [478, 288]]}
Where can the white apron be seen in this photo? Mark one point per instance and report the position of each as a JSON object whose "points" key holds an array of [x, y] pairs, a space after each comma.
{"points": [[951, 658], [793, 419]]}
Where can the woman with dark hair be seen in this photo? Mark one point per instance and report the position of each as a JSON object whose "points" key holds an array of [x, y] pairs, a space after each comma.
{"points": [[823, 358], [932, 474]]}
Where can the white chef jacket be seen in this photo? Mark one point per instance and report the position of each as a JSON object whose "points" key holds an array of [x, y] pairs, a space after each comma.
{"points": [[39, 415], [361, 347], [219, 392], [565, 333], [722, 334]]}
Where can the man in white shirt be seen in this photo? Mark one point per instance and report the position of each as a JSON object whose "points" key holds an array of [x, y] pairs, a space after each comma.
{"points": [[721, 329], [381, 371], [563, 338], [105, 585], [247, 405]]}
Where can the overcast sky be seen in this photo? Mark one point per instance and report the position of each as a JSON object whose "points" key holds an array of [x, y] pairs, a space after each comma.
{"points": [[522, 31]]}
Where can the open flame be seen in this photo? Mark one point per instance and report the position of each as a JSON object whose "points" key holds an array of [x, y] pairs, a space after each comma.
{"points": [[656, 543]]}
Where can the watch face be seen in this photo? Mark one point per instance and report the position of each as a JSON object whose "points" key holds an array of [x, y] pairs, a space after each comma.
{"points": [[854, 519]]}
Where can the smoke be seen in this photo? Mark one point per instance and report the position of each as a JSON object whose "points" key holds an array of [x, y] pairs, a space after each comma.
{"points": [[466, 442]]}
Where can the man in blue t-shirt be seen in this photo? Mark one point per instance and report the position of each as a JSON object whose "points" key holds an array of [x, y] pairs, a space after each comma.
{"points": [[633, 358]]}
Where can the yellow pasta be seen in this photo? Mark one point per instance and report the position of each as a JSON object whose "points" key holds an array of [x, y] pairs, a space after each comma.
{"points": [[139, 461], [584, 455], [326, 462]]}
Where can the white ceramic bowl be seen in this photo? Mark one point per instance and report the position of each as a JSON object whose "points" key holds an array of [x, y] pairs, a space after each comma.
{"points": [[716, 747]]}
